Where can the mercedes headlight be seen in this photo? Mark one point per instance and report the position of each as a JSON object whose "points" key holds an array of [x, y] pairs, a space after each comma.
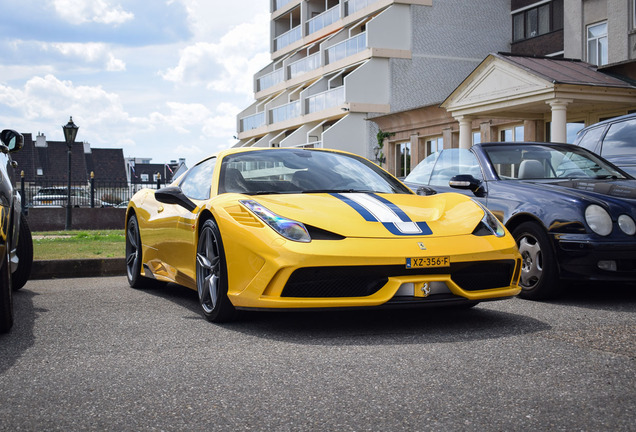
{"points": [[288, 228], [627, 224], [598, 219]]}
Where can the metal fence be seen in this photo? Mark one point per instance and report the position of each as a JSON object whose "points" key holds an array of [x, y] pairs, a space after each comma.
{"points": [[95, 193]]}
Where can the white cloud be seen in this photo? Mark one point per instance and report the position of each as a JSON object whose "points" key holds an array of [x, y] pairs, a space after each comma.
{"points": [[86, 11], [226, 66]]}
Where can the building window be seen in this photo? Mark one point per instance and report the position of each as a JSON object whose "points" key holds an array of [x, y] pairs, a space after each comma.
{"points": [[538, 20], [597, 44], [144, 178], [403, 159], [476, 137], [511, 134], [434, 145]]}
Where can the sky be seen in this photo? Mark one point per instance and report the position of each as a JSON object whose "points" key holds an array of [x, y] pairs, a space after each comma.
{"points": [[161, 79]]}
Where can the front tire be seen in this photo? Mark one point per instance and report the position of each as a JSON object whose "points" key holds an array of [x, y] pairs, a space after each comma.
{"points": [[212, 282], [25, 255], [539, 274]]}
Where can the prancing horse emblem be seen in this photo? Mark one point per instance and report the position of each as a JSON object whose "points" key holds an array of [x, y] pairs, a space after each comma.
{"points": [[421, 245]]}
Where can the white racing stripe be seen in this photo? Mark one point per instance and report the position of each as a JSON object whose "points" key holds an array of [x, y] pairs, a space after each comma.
{"points": [[382, 212]]}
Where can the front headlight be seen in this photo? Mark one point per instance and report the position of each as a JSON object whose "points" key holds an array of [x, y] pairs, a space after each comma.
{"points": [[490, 222], [598, 219], [288, 228], [627, 224]]}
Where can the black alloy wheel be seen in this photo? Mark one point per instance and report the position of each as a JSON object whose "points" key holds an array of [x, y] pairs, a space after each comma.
{"points": [[211, 276]]}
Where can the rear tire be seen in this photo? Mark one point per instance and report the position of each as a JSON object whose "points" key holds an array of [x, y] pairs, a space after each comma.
{"points": [[25, 255], [6, 295], [133, 256]]}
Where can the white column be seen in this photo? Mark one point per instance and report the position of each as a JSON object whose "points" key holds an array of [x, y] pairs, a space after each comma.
{"points": [[558, 128], [465, 131]]}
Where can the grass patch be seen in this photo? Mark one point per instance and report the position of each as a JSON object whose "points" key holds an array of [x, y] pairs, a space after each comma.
{"points": [[51, 245]]}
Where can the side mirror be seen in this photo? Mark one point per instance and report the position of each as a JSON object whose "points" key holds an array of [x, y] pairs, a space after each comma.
{"points": [[174, 195], [466, 182], [12, 140], [425, 190]]}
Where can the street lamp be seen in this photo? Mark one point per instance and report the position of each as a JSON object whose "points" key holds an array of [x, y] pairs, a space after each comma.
{"points": [[70, 132]]}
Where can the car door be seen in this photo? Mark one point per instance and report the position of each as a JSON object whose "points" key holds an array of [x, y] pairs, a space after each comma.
{"points": [[181, 253]]}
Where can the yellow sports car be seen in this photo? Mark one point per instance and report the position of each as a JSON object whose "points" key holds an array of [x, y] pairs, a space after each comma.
{"points": [[306, 228]]}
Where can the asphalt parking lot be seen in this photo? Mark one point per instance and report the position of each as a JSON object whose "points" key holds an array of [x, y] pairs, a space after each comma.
{"points": [[94, 354]]}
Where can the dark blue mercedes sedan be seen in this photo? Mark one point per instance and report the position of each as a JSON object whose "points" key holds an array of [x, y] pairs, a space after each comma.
{"points": [[572, 213]]}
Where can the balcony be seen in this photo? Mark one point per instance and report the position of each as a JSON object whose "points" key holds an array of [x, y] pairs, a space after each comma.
{"points": [[270, 79], [323, 20], [252, 122], [285, 112], [327, 99], [304, 65], [280, 3], [287, 38], [347, 48], [353, 6]]}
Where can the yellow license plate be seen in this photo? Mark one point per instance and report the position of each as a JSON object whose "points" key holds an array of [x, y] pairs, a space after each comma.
{"points": [[428, 262]]}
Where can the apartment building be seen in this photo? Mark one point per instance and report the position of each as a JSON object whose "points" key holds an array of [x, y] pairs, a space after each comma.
{"points": [[336, 64], [571, 63]]}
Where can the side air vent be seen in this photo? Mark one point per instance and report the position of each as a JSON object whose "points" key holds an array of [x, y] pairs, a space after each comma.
{"points": [[244, 217]]}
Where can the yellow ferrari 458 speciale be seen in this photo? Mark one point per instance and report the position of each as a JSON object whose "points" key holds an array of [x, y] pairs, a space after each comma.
{"points": [[313, 228]]}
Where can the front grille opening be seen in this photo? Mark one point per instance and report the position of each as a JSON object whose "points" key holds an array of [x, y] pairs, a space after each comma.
{"points": [[361, 281]]}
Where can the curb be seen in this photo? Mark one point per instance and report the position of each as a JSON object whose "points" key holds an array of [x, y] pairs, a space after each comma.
{"points": [[61, 269]]}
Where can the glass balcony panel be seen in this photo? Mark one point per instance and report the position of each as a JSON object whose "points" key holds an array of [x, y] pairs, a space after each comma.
{"points": [[270, 79], [302, 66], [328, 99], [285, 112], [352, 6], [253, 121], [287, 38], [324, 19], [280, 3], [347, 48]]}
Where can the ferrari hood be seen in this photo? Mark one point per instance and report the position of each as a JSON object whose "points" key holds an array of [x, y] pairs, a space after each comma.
{"points": [[373, 215]]}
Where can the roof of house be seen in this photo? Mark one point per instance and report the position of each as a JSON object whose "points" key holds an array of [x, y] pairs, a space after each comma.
{"points": [[565, 71]]}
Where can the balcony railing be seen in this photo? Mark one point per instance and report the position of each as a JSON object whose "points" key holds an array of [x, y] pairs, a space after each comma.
{"points": [[328, 99], [347, 48], [318, 22], [304, 65], [253, 121], [353, 6], [285, 112], [287, 38], [280, 3], [270, 79]]}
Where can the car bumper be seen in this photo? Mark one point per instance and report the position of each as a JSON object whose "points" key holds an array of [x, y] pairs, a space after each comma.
{"points": [[354, 273], [590, 259]]}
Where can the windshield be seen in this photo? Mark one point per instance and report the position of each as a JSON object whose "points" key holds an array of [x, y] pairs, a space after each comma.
{"points": [[303, 171], [537, 162]]}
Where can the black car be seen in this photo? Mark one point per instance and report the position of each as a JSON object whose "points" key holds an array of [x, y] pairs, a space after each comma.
{"points": [[16, 245], [571, 212], [614, 139]]}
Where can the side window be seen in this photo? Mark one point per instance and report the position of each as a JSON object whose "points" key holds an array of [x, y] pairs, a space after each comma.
{"points": [[591, 138], [198, 181], [452, 162], [620, 139]]}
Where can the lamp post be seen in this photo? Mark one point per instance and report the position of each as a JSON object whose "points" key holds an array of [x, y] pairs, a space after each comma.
{"points": [[70, 132]]}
